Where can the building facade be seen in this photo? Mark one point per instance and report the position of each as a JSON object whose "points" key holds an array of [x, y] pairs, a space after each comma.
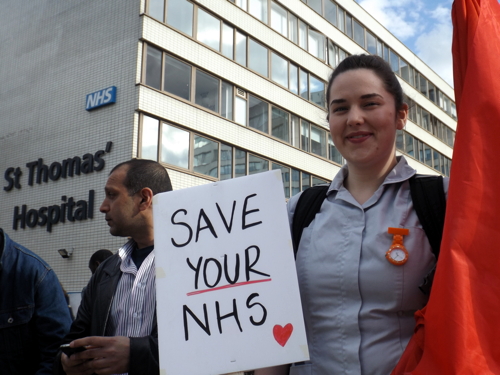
{"points": [[212, 89]]}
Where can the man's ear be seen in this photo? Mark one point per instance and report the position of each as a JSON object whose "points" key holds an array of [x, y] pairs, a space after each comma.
{"points": [[402, 116], [146, 196]]}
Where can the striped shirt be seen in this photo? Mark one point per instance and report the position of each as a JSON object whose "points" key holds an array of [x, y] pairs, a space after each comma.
{"points": [[134, 302]]}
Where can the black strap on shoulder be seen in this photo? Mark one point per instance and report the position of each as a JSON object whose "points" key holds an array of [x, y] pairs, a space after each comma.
{"points": [[307, 207], [429, 201]]}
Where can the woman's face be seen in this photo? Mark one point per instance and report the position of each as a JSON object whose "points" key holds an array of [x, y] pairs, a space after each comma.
{"points": [[363, 119]]}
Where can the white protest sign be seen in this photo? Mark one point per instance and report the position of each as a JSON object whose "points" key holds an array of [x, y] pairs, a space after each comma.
{"points": [[227, 291]]}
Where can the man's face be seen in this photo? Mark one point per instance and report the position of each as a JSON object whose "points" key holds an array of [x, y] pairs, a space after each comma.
{"points": [[120, 208]]}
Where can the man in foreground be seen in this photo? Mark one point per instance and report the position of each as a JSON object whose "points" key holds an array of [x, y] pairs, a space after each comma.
{"points": [[34, 314], [116, 321]]}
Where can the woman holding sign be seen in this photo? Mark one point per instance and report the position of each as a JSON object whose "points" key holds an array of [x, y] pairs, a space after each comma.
{"points": [[361, 260]]}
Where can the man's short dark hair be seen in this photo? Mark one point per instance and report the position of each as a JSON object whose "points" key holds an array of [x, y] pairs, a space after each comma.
{"points": [[143, 173], [99, 256]]}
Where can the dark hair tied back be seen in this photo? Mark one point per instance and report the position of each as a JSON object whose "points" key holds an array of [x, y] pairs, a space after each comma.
{"points": [[376, 64]]}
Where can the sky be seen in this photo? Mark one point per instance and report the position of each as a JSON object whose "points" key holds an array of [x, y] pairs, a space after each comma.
{"points": [[424, 26]]}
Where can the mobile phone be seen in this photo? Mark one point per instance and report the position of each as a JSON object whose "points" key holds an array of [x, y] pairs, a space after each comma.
{"points": [[66, 349]]}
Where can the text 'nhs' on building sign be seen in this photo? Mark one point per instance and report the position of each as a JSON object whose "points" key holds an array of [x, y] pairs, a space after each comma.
{"points": [[101, 98]]}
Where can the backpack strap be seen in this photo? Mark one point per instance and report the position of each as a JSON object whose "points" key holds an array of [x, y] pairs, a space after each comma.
{"points": [[307, 207], [429, 201]]}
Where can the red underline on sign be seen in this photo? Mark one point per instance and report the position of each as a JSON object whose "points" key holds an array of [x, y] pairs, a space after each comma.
{"points": [[227, 286]]}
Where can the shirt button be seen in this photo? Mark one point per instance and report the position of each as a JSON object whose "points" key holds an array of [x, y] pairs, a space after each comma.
{"points": [[10, 320]]}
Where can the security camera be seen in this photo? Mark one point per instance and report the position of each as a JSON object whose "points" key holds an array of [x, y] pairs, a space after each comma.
{"points": [[65, 253]]}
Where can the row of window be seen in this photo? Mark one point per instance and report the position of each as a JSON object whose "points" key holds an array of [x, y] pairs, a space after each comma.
{"points": [[316, 43], [176, 77], [426, 120], [172, 145], [246, 51], [366, 39], [417, 149]]}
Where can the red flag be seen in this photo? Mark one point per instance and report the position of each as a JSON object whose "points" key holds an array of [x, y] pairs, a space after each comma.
{"points": [[459, 330]]}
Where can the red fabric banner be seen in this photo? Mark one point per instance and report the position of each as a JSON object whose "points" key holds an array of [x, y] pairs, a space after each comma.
{"points": [[459, 330]]}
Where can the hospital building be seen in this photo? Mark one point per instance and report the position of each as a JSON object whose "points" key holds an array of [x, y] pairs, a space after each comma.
{"points": [[212, 89]]}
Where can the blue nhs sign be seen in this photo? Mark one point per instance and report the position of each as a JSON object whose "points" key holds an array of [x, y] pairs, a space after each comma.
{"points": [[101, 98]]}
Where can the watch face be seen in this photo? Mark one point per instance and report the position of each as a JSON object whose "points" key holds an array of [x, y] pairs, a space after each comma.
{"points": [[397, 255]]}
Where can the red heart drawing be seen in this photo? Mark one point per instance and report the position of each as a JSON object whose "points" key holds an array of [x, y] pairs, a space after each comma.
{"points": [[282, 334]]}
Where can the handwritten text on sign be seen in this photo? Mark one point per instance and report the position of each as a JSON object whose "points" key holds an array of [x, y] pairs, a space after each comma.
{"points": [[227, 291]]}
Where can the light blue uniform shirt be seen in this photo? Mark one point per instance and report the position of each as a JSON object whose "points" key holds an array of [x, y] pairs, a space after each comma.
{"points": [[358, 307]]}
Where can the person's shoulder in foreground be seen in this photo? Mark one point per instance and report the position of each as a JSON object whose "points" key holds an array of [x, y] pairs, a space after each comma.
{"points": [[34, 314]]}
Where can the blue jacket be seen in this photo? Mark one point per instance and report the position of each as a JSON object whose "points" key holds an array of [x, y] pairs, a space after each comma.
{"points": [[34, 315]]}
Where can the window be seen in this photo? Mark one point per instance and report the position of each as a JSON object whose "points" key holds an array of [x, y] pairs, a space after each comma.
{"points": [[175, 146], [405, 71], [409, 146], [348, 25], [423, 85], [332, 54], [227, 101], [177, 77], [156, 9], [149, 139], [293, 28], [258, 57], [206, 156], [240, 163], [316, 44], [303, 85], [207, 91], [428, 155], [400, 140], [318, 141], [241, 49], [341, 19], [279, 70], [257, 165], [318, 181], [258, 114], [153, 67], [333, 153], [431, 89], [258, 9], [394, 62], [208, 31], [302, 35], [317, 88], [285, 176], [315, 5], [180, 16], [295, 182], [306, 181], [227, 41], [279, 124], [294, 80], [371, 43], [386, 53], [331, 12], [304, 135], [294, 125], [359, 33], [226, 162], [240, 111], [279, 19]]}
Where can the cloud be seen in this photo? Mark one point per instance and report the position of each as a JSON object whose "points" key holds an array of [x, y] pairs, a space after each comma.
{"points": [[433, 46], [402, 18], [424, 26]]}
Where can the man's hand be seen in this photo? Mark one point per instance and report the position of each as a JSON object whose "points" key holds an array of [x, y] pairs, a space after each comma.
{"points": [[104, 355]]}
